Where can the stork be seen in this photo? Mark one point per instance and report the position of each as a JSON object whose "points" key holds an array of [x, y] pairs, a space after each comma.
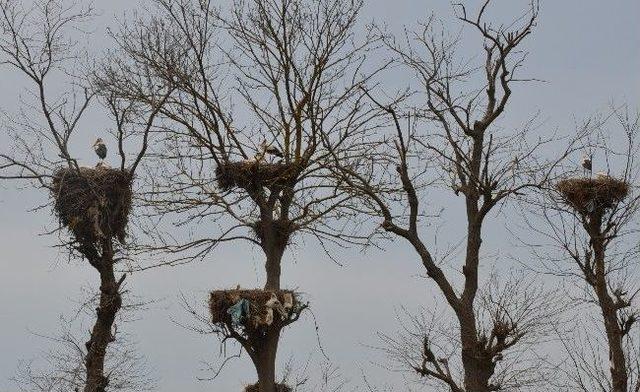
{"points": [[587, 165], [271, 150], [100, 148]]}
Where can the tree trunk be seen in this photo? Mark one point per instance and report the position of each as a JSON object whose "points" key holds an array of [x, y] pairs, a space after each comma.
{"points": [[617, 360], [264, 360], [273, 245], [274, 238], [273, 268], [618, 366], [266, 347], [101, 337], [478, 368], [478, 365]]}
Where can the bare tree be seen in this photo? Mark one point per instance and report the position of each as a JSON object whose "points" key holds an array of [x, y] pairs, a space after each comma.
{"points": [[519, 300], [62, 369], [468, 154], [591, 224], [92, 203], [295, 69]]}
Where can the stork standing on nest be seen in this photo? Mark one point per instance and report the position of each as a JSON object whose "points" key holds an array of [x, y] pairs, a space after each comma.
{"points": [[101, 150], [587, 165], [271, 150], [266, 149]]}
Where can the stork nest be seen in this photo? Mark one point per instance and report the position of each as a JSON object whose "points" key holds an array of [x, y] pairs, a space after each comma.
{"points": [[589, 195], [221, 300], [93, 203], [279, 388], [252, 174]]}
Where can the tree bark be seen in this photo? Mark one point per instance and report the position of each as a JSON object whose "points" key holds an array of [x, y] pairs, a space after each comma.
{"points": [[273, 267], [101, 336], [265, 348], [264, 360], [274, 242], [478, 365], [608, 308]]}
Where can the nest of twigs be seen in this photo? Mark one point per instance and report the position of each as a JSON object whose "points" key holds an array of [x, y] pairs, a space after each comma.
{"points": [[252, 174], [589, 195], [93, 203], [279, 388], [286, 307]]}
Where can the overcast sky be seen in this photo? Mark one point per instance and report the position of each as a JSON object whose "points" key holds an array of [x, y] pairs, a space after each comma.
{"points": [[586, 51]]}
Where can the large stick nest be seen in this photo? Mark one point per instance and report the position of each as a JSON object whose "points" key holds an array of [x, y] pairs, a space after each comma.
{"points": [[589, 195], [279, 388], [252, 174], [221, 300], [93, 203]]}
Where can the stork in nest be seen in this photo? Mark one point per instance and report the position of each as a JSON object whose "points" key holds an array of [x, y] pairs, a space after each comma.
{"points": [[101, 150], [267, 149], [587, 165]]}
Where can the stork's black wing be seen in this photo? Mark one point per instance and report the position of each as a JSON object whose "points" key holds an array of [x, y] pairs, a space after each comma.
{"points": [[275, 151], [101, 150]]}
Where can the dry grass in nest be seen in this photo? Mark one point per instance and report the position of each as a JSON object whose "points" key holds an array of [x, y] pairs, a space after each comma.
{"points": [[279, 388], [588, 195], [221, 300], [252, 174], [93, 203]]}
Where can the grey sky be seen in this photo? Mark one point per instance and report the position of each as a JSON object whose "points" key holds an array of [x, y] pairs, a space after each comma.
{"points": [[587, 51]]}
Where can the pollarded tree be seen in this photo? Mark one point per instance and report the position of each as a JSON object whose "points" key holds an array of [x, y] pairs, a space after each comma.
{"points": [[92, 203], [251, 169], [452, 140], [591, 224]]}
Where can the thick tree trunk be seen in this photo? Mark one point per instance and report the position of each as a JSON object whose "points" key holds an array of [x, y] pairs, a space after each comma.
{"points": [[266, 347], [477, 364], [266, 351], [101, 336], [274, 237], [274, 243], [273, 267], [617, 359], [264, 360], [478, 368]]}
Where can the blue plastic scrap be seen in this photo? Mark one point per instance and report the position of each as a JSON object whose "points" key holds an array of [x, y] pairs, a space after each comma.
{"points": [[239, 311]]}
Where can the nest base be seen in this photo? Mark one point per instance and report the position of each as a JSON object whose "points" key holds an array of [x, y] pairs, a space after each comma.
{"points": [[592, 195], [279, 388], [93, 203], [266, 308], [252, 174]]}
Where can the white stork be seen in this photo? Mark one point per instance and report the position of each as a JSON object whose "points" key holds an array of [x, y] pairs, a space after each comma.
{"points": [[100, 148], [587, 165], [271, 150]]}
